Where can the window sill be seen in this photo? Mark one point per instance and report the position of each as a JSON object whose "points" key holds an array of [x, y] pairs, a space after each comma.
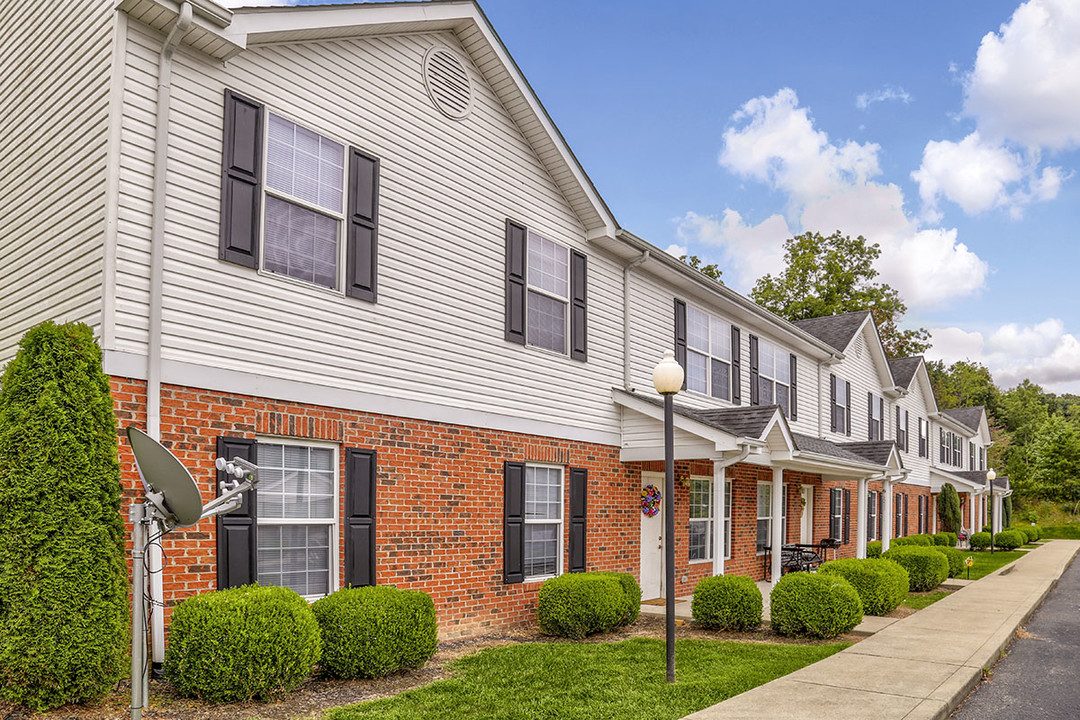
{"points": [[539, 578], [702, 561]]}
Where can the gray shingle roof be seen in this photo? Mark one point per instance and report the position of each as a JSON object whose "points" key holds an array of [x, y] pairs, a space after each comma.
{"points": [[976, 476], [835, 330], [738, 421], [903, 369], [1002, 483], [812, 444], [969, 416], [876, 451]]}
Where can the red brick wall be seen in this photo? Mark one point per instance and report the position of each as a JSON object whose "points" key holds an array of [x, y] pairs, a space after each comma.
{"points": [[440, 490]]}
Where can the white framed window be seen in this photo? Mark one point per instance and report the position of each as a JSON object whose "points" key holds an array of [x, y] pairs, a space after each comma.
{"points": [[543, 521], [902, 429], [774, 376], [876, 411], [982, 458], [303, 212], [872, 516], [297, 516], [702, 521], [841, 421], [764, 516], [708, 354], [836, 513], [727, 519], [548, 300], [924, 438]]}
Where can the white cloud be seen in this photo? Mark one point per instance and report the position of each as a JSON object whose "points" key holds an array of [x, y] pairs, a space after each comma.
{"points": [[829, 188], [882, 94], [974, 174], [1025, 85], [676, 250], [1044, 353]]}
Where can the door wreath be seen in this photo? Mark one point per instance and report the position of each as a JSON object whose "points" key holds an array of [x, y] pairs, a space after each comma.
{"points": [[650, 500]]}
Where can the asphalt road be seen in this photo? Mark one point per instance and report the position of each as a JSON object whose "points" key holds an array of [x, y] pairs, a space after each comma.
{"points": [[1039, 679]]}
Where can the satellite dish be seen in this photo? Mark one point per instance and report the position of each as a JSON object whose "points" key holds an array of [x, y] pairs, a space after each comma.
{"points": [[164, 475]]}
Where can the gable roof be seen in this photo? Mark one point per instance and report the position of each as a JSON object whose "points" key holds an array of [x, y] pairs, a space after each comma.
{"points": [[975, 476], [904, 369], [820, 446], [876, 451], [969, 417], [835, 330]]}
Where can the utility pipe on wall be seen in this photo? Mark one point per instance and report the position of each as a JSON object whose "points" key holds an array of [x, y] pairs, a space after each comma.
{"points": [[157, 273]]}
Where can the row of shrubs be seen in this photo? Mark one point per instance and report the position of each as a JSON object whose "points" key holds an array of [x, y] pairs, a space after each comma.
{"points": [[252, 642], [1010, 539]]}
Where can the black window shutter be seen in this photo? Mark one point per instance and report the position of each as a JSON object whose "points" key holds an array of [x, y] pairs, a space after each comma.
{"points": [[847, 516], [907, 432], [362, 251], [755, 396], [241, 181], [870, 416], [847, 414], [680, 336], [899, 435], [236, 531], [793, 403], [832, 402], [513, 522], [516, 263], [736, 366], [360, 486], [881, 414], [579, 484], [579, 342]]}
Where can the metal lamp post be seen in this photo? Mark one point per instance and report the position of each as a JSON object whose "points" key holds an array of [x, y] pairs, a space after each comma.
{"points": [[990, 475], [668, 379]]}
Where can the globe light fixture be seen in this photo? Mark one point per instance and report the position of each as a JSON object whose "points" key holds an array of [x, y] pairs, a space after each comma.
{"points": [[668, 375]]}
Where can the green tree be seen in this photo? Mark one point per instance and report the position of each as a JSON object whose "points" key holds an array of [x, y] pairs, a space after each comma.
{"points": [[963, 384], [1006, 512], [1022, 413], [835, 274], [948, 509], [63, 578], [1055, 466], [712, 269]]}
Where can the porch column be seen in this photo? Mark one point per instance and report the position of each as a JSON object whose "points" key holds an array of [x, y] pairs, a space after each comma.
{"points": [[720, 509], [973, 513], [777, 540], [999, 508], [933, 511], [862, 519], [887, 511]]}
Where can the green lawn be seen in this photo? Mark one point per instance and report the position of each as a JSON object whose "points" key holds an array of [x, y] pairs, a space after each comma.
{"points": [[920, 600], [985, 563], [624, 680], [1060, 532]]}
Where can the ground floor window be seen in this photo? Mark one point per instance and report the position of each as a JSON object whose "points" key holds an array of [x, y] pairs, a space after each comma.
{"points": [[764, 516], [702, 520], [727, 520], [872, 516], [543, 520], [296, 517], [836, 513]]}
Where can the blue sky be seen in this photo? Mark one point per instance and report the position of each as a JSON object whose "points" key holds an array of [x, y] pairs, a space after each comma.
{"points": [[948, 132]]}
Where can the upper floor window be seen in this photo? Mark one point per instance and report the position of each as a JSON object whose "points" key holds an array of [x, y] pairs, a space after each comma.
{"points": [[876, 416], [924, 438], [708, 354], [840, 405], [971, 455], [982, 458], [951, 452], [957, 452], [773, 375], [297, 203], [545, 293], [902, 428]]}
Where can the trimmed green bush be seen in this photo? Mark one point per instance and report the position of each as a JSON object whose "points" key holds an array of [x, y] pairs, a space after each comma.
{"points": [[241, 644], [1030, 532], [632, 591], [948, 508], [955, 558], [927, 566], [819, 605], [579, 604], [881, 584], [369, 632], [873, 550], [1009, 539], [727, 602], [64, 627], [979, 541], [912, 541]]}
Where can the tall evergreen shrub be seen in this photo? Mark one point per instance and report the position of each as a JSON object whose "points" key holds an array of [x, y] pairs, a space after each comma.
{"points": [[1006, 511], [63, 581], [948, 508]]}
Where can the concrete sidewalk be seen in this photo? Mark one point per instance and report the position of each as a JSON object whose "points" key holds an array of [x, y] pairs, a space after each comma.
{"points": [[920, 667]]}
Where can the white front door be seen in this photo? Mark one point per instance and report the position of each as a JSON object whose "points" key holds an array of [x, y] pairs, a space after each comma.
{"points": [[806, 532], [652, 545]]}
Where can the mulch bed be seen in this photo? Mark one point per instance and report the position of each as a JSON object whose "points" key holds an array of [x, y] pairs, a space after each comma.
{"points": [[318, 695]]}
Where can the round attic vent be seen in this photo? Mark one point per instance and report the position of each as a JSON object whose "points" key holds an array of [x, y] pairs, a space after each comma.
{"points": [[448, 84]]}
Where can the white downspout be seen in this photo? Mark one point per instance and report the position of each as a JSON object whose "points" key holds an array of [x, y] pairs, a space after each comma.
{"points": [[157, 273], [720, 504], [626, 316]]}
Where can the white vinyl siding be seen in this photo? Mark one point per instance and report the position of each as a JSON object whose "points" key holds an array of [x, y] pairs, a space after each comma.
{"points": [[862, 372], [543, 521], [446, 189], [297, 517], [55, 146]]}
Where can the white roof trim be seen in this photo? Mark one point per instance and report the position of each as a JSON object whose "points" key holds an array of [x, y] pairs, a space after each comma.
{"points": [[943, 476], [270, 24]]}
